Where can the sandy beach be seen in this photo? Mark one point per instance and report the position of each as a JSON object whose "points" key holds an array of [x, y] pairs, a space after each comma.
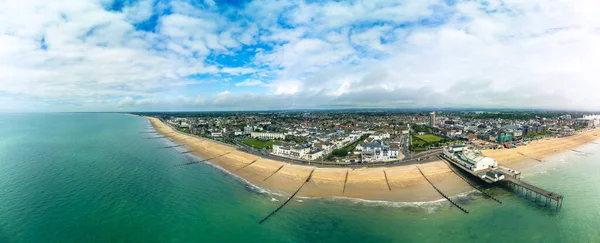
{"points": [[536, 151], [406, 184]]}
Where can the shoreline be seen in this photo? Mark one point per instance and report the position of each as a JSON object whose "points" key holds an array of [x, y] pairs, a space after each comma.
{"points": [[406, 185]]}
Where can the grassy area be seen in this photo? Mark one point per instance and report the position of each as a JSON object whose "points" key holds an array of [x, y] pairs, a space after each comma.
{"points": [[423, 142], [183, 129], [430, 138], [259, 144]]}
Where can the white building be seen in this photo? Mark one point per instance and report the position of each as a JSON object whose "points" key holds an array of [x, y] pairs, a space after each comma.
{"points": [[376, 151], [267, 135], [299, 152], [471, 159], [313, 155], [248, 130], [281, 150], [216, 134]]}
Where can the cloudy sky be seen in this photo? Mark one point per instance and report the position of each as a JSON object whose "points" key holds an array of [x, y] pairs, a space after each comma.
{"points": [[125, 55]]}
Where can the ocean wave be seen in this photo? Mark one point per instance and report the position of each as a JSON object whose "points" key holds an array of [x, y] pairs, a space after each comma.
{"points": [[428, 206]]}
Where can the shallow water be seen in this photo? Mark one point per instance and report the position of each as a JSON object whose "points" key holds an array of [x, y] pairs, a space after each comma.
{"points": [[94, 177]]}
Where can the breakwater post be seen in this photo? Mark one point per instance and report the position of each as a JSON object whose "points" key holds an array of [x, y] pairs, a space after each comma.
{"points": [[289, 199], [246, 165], [345, 181], [386, 180], [197, 162], [274, 173], [441, 193]]}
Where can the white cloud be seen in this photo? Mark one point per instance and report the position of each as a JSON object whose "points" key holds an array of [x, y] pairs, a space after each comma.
{"points": [[127, 101], [250, 82], [511, 53]]}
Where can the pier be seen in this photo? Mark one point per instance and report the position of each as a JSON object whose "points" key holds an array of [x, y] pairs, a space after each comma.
{"points": [[468, 182], [527, 189], [512, 179]]}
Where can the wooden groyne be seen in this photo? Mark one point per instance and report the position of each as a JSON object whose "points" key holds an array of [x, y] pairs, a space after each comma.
{"points": [[174, 146], [441, 193], [274, 173], [468, 182], [527, 156], [187, 152], [386, 180], [289, 199], [345, 181], [246, 165], [197, 162], [156, 137]]}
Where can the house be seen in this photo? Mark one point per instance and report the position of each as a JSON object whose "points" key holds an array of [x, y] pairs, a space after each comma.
{"points": [[377, 151]]}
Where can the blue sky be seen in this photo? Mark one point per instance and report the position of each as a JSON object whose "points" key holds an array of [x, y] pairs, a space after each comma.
{"points": [[134, 55]]}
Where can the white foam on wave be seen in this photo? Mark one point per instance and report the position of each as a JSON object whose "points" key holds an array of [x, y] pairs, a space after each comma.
{"points": [[428, 206]]}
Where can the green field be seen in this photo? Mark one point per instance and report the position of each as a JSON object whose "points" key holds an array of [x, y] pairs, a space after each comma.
{"points": [[259, 144], [430, 138], [425, 141]]}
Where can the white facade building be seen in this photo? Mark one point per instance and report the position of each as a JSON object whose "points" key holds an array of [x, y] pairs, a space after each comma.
{"points": [[267, 135], [471, 159], [248, 129], [299, 152], [375, 151]]}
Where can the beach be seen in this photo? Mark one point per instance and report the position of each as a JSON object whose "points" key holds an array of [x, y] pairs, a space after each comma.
{"points": [[404, 183], [536, 151]]}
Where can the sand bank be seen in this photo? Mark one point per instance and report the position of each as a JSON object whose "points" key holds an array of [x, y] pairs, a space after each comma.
{"points": [[404, 183]]}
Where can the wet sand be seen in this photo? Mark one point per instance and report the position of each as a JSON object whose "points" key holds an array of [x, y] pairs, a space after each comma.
{"points": [[405, 182]]}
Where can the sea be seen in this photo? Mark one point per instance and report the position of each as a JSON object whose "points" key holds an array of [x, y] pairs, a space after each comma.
{"points": [[98, 177]]}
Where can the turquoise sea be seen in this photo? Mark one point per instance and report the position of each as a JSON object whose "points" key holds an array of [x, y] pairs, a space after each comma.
{"points": [[86, 177]]}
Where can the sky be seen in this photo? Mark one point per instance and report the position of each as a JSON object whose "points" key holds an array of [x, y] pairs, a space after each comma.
{"points": [[178, 55]]}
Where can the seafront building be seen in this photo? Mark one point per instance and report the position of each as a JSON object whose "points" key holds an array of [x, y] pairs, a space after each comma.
{"points": [[267, 135], [322, 133], [376, 151], [471, 159], [299, 152]]}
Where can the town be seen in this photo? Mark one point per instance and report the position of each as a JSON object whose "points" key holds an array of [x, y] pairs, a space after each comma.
{"points": [[347, 137]]}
